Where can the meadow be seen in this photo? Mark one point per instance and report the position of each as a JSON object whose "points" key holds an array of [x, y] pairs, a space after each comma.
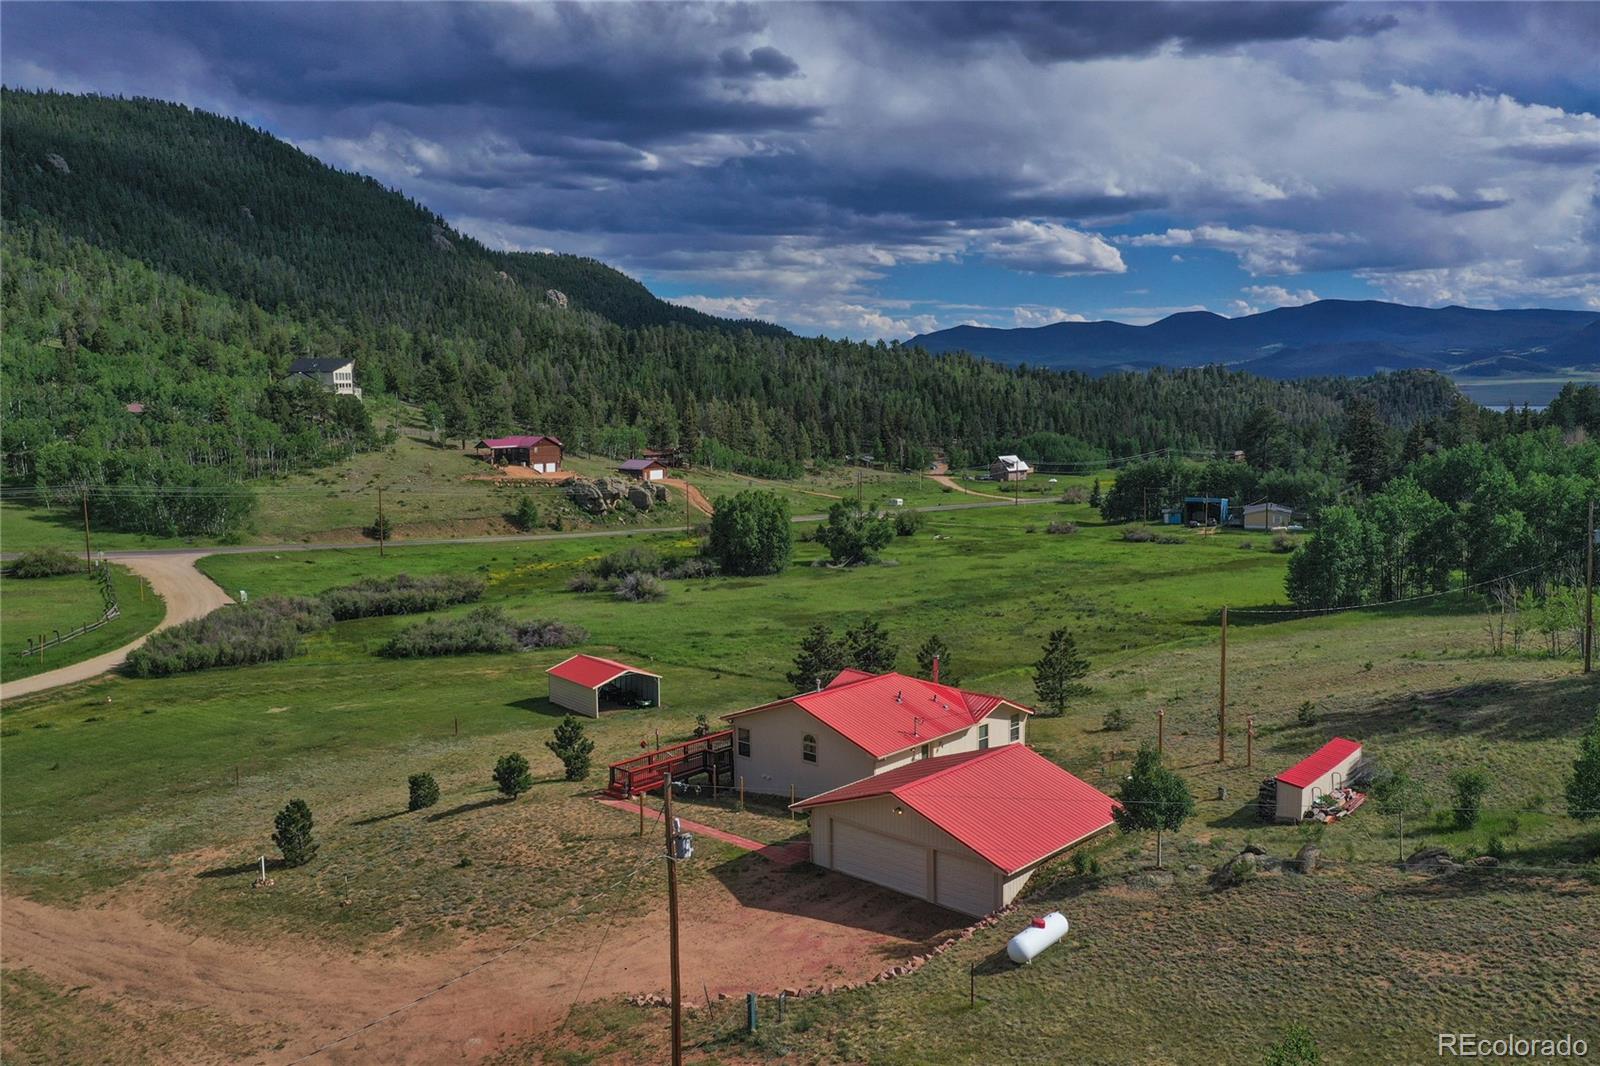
{"points": [[161, 792], [32, 606]]}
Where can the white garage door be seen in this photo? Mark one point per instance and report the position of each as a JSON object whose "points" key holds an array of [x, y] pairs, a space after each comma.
{"points": [[880, 859], [964, 885]]}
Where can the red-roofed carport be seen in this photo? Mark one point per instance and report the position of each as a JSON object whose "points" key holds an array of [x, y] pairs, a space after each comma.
{"points": [[589, 684]]}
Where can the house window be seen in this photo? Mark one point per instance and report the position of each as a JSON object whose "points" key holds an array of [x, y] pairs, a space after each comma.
{"points": [[808, 748], [744, 742], [927, 751], [1016, 728], [983, 736]]}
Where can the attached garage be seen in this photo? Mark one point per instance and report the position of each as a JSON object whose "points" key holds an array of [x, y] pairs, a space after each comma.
{"points": [[964, 831], [588, 684]]}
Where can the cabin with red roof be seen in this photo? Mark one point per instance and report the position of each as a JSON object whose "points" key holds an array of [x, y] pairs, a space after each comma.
{"points": [[965, 831], [589, 684], [1319, 774], [538, 452], [860, 725]]}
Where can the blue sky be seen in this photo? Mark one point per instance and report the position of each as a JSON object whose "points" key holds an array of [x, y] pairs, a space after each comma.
{"points": [[880, 170]]}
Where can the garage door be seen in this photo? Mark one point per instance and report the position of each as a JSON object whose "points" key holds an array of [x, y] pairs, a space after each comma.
{"points": [[964, 885], [880, 859]]}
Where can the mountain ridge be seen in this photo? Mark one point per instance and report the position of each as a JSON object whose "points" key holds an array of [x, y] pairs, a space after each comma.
{"points": [[1352, 338]]}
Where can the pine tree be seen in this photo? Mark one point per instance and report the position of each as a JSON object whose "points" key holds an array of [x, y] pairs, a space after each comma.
{"points": [[821, 657], [572, 748], [1059, 673], [935, 648], [869, 648], [292, 833], [512, 776], [1583, 788]]}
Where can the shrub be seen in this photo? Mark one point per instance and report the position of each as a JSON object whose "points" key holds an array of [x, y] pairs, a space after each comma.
{"points": [[1297, 1048], [584, 582], [627, 561], [572, 748], [1496, 849], [1115, 721], [382, 528], [512, 776], [1074, 494], [1283, 544], [1064, 528], [484, 629], [691, 568], [293, 833], [1306, 715], [546, 633], [1470, 787], [1166, 538], [853, 534], [265, 630], [702, 725], [1138, 536], [751, 533], [525, 516], [906, 523], [639, 587], [45, 562], [401, 594], [424, 791]]}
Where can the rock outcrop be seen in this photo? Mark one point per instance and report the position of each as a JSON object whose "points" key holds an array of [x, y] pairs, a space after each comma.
{"points": [[598, 496], [556, 296], [59, 163], [641, 497]]}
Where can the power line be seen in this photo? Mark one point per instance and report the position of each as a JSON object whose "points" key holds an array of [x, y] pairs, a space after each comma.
{"points": [[1389, 603]]}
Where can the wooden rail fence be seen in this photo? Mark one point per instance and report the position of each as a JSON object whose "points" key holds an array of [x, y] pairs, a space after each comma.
{"points": [[113, 611]]}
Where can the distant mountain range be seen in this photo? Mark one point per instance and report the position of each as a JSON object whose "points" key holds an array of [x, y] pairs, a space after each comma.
{"points": [[1329, 337]]}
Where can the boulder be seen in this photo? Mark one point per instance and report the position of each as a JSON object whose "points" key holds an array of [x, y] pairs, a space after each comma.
{"points": [[1253, 849], [641, 497], [1433, 858], [556, 296], [661, 493], [587, 496], [57, 162], [440, 238], [1308, 859]]}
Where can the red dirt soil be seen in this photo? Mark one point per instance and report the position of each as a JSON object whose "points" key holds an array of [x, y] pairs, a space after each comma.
{"points": [[791, 927]]}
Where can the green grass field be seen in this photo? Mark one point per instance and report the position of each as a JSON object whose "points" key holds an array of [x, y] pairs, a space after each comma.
{"points": [[32, 606], [167, 790]]}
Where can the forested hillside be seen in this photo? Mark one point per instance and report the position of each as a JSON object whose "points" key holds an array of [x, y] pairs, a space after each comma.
{"points": [[161, 255]]}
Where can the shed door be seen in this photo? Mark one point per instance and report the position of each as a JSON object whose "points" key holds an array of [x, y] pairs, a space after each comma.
{"points": [[964, 885], [880, 859]]}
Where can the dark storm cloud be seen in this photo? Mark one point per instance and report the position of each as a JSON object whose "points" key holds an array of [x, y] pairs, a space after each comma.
{"points": [[1055, 32]]}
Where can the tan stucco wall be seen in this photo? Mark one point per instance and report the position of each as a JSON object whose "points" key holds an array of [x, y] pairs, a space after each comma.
{"points": [[574, 697], [876, 814], [775, 760]]}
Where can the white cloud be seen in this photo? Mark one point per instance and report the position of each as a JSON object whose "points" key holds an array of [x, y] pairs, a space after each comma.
{"points": [[1042, 316], [1265, 297], [1049, 248]]}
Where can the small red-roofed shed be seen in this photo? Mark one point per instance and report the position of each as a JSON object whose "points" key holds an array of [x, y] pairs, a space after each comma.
{"points": [[1319, 774]]}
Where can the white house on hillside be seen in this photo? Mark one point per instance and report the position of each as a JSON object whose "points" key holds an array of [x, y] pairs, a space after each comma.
{"points": [[335, 375], [1009, 468]]}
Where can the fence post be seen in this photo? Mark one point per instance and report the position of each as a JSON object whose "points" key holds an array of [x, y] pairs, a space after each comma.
{"points": [[749, 1012]]}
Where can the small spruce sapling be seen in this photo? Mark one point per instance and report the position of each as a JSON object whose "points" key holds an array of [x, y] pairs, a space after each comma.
{"points": [[293, 833], [424, 791], [1059, 673], [511, 774], [1583, 787], [572, 748]]}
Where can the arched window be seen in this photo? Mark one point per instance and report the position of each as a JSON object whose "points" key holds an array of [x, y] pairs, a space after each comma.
{"points": [[808, 748]]}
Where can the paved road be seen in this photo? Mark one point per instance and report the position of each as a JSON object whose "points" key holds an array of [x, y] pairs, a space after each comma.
{"points": [[187, 592]]}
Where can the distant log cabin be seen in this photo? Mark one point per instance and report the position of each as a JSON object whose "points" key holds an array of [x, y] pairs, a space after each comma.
{"points": [[537, 452]]}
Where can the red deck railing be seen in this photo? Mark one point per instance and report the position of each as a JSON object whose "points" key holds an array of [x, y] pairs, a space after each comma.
{"points": [[643, 773]]}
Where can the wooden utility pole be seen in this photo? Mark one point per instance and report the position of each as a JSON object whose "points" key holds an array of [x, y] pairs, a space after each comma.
{"points": [[88, 557], [1588, 595], [1222, 695], [1161, 731], [1249, 741], [383, 534], [672, 921]]}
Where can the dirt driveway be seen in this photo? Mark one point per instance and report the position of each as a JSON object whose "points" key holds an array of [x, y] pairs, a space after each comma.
{"points": [[187, 592], [941, 476], [750, 927]]}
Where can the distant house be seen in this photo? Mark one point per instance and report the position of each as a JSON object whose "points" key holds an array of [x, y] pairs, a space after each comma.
{"points": [[135, 408], [335, 375], [964, 831], [1009, 468], [538, 452], [644, 469], [1267, 515], [863, 724], [1205, 510]]}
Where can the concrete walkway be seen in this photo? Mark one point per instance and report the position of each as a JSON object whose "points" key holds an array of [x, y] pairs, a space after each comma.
{"points": [[187, 593], [782, 854]]}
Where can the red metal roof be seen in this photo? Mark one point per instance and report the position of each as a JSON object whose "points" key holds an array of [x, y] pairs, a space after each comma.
{"points": [[847, 675], [1317, 765], [1011, 805], [591, 671], [887, 713], [519, 442]]}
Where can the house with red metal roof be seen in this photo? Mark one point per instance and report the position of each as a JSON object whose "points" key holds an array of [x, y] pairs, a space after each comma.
{"points": [[965, 831], [537, 451], [860, 725], [647, 469], [589, 684], [1319, 774]]}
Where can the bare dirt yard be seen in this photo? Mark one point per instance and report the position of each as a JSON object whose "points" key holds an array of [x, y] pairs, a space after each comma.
{"points": [[136, 978]]}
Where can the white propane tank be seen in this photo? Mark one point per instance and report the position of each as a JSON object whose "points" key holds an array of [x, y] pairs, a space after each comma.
{"points": [[1038, 936]]}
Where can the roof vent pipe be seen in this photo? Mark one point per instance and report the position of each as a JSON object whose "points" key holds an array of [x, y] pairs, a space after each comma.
{"points": [[935, 669], [899, 697]]}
